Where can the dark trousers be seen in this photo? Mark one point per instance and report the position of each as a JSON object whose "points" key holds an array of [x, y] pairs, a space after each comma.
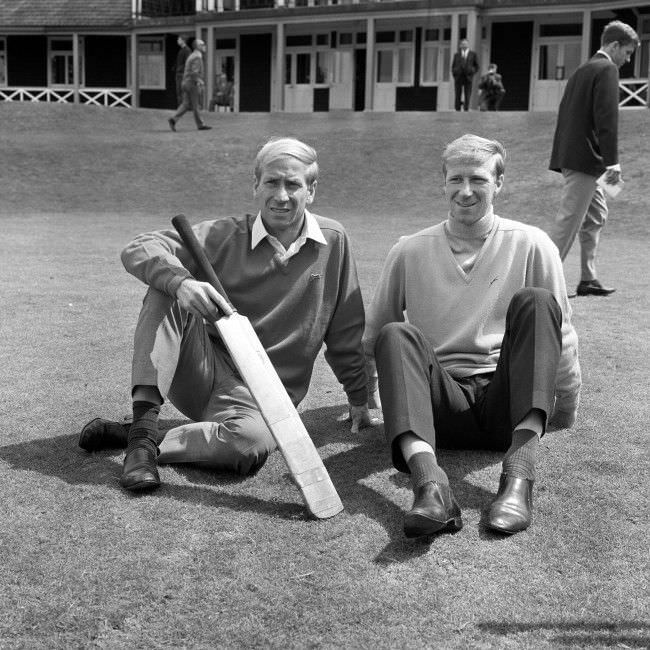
{"points": [[463, 88], [478, 412]]}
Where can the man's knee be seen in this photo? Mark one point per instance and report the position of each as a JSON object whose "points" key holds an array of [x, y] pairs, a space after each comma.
{"points": [[249, 444], [528, 300], [395, 333]]}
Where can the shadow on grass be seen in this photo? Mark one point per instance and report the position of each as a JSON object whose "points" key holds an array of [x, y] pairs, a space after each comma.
{"points": [[352, 470], [62, 458], [629, 634]]}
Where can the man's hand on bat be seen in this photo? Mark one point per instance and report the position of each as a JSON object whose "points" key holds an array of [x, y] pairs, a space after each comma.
{"points": [[202, 300]]}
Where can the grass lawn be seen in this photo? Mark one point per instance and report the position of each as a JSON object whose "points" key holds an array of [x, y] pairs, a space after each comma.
{"points": [[209, 561]]}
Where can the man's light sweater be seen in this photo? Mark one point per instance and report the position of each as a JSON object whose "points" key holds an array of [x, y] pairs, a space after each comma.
{"points": [[462, 314], [293, 307]]}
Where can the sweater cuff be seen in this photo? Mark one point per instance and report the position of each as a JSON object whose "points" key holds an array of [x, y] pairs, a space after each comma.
{"points": [[176, 280]]}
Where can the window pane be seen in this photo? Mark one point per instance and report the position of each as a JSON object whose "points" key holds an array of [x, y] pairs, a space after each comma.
{"points": [[287, 68], [571, 58], [61, 45], [406, 36], [405, 65], [3, 70], [344, 64], [323, 67], [430, 64], [446, 62], [303, 63], [548, 60], [61, 69], [384, 66]]}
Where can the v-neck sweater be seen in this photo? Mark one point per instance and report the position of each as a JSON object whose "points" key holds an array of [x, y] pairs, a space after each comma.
{"points": [[462, 314]]}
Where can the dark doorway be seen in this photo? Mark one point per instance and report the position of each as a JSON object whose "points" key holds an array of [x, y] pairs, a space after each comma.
{"points": [[512, 50], [255, 73], [359, 80]]}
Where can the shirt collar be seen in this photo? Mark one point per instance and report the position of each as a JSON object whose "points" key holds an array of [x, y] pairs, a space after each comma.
{"points": [[605, 54], [310, 230]]}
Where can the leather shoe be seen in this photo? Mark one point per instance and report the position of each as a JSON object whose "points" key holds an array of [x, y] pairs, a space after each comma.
{"points": [[103, 434], [205, 127], [172, 123], [512, 510], [434, 510], [140, 471], [593, 288]]}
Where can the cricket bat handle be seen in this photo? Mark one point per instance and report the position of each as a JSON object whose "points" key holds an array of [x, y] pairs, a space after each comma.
{"points": [[184, 229]]}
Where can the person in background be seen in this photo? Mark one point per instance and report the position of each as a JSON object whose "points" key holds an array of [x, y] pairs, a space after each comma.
{"points": [[585, 146], [463, 68], [179, 67], [193, 88], [491, 88]]}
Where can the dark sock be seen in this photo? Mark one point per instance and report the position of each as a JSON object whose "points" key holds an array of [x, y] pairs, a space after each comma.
{"points": [[144, 430], [519, 460], [424, 469]]}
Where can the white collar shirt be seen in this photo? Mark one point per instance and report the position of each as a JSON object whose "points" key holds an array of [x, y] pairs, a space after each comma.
{"points": [[310, 230]]}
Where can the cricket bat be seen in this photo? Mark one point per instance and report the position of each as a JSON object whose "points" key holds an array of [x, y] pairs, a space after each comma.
{"points": [[275, 405]]}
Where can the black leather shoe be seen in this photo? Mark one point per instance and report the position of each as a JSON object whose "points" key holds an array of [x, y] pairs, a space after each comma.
{"points": [[512, 510], [205, 127], [140, 471], [593, 288], [172, 123], [434, 510], [103, 434]]}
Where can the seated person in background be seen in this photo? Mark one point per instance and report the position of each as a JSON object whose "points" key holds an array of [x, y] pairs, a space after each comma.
{"points": [[223, 93]]}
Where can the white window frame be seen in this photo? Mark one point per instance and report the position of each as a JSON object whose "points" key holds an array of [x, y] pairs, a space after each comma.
{"points": [[395, 48], [157, 58], [4, 73], [444, 62], [68, 54]]}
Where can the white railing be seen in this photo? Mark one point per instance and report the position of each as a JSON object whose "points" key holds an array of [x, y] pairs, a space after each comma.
{"points": [[94, 96], [635, 93], [106, 96], [60, 95]]}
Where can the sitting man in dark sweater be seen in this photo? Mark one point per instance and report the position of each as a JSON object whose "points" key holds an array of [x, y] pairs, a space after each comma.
{"points": [[290, 272]]}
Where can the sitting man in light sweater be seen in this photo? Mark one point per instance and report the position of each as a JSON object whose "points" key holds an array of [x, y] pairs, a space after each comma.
{"points": [[470, 329], [290, 272]]}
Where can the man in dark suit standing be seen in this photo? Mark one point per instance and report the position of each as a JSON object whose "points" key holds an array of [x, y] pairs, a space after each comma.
{"points": [[585, 146], [463, 68]]}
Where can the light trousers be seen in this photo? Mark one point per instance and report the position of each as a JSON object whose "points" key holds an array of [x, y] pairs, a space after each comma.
{"points": [[583, 211], [172, 351]]}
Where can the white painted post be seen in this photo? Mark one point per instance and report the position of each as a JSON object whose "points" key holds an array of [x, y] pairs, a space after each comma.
{"points": [[75, 67], [135, 100], [370, 64], [585, 45], [279, 67], [210, 54]]}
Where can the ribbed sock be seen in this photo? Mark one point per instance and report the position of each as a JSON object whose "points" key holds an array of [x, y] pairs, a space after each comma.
{"points": [[424, 468], [520, 458], [144, 430]]}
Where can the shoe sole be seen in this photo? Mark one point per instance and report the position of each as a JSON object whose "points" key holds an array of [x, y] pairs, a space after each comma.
{"points": [[141, 486], [419, 526], [505, 531]]}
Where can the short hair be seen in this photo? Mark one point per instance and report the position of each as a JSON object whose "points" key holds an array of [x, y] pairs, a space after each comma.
{"points": [[618, 31], [276, 148], [473, 148]]}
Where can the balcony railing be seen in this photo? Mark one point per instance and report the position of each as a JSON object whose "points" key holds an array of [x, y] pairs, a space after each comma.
{"points": [[93, 96]]}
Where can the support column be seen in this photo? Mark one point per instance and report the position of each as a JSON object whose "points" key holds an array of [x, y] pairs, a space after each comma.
{"points": [[210, 54], [585, 51], [135, 100], [370, 64], [474, 38], [75, 67], [455, 38], [278, 85]]}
